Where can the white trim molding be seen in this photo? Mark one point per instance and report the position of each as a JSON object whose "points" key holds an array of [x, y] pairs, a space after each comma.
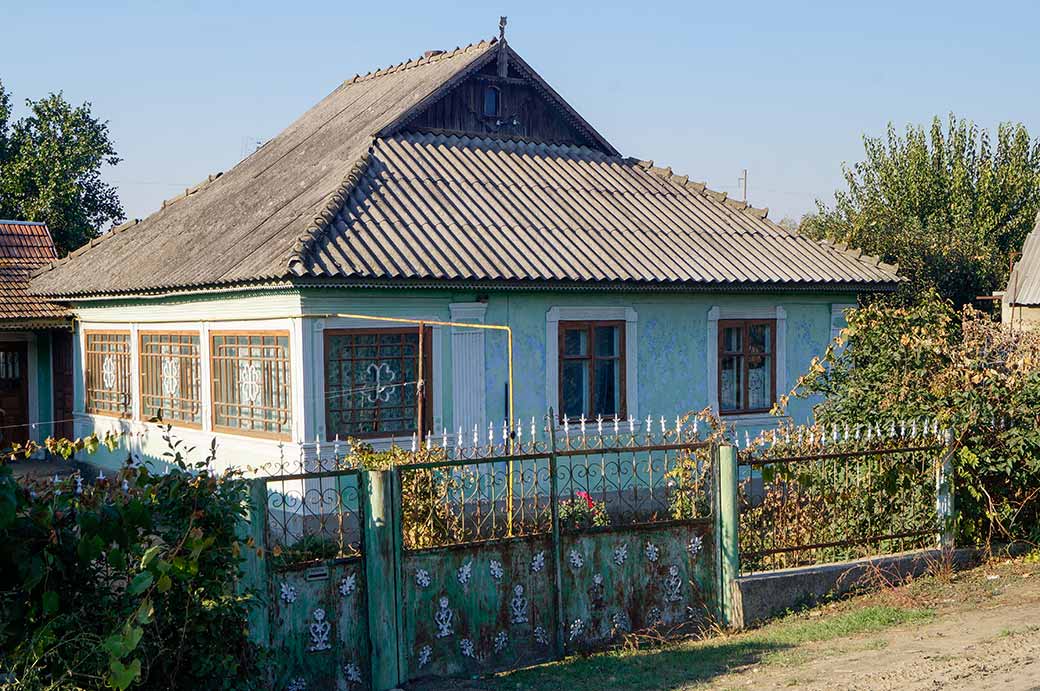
{"points": [[838, 320], [469, 395], [555, 315], [716, 313]]}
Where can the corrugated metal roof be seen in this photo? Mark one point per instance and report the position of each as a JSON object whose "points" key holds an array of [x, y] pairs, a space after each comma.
{"points": [[1023, 286], [477, 209], [24, 247]]}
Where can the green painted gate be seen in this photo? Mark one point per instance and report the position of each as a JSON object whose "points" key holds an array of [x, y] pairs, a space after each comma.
{"points": [[461, 566]]}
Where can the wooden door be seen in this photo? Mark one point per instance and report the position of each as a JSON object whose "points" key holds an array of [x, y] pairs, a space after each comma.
{"points": [[14, 393], [61, 368]]}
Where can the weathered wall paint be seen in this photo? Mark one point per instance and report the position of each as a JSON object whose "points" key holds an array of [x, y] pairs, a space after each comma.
{"points": [[673, 347], [633, 578], [478, 607]]}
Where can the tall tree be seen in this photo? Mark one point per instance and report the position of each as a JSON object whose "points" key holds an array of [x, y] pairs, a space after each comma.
{"points": [[948, 205], [50, 169]]}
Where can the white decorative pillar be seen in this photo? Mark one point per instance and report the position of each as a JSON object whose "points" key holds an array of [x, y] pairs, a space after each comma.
{"points": [[781, 351], [712, 346], [467, 366]]}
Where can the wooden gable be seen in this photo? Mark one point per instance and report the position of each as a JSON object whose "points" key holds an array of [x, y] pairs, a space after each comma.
{"points": [[525, 107]]}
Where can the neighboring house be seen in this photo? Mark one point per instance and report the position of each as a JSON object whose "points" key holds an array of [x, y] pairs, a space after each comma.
{"points": [[1020, 302], [35, 342], [458, 186]]}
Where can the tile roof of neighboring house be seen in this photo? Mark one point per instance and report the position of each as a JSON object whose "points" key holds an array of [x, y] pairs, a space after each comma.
{"points": [[25, 247], [1023, 286], [342, 195]]}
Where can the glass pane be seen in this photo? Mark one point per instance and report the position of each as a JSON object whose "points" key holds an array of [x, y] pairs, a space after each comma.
{"points": [[732, 339], [575, 342], [574, 392], [608, 341], [731, 384], [760, 338], [760, 381], [608, 388]]}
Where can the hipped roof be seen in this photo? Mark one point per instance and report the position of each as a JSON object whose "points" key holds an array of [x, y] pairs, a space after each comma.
{"points": [[346, 194]]}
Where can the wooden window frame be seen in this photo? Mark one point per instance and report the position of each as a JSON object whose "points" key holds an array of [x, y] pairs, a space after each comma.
{"points": [[127, 375], [488, 88], [427, 402], [745, 353], [288, 397], [141, 359], [622, 359]]}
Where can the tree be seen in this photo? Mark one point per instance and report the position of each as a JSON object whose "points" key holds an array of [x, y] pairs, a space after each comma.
{"points": [[947, 205], [50, 169]]}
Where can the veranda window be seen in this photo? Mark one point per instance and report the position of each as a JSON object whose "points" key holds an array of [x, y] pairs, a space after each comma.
{"points": [[106, 365], [747, 365], [371, 381], [170, 377], [251, 383], [592, 369]]}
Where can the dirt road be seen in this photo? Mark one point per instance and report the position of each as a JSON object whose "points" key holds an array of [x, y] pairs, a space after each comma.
{"points": [[986, 635]]}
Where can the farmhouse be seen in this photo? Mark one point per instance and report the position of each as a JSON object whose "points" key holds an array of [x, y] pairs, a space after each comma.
{"points": [[457, 188]]}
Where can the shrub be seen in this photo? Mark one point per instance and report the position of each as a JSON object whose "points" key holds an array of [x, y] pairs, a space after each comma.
{"points": [[129, 581], [978, 378]]}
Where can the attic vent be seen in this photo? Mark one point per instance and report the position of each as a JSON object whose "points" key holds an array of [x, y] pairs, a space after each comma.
{"points": [[430, 53]]}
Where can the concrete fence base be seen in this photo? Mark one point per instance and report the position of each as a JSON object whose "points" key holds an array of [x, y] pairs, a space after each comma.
{"points": [[760, 596]]}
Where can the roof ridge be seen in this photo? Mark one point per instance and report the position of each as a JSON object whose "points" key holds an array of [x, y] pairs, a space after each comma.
{"points": [[329, 210], [502, 141], [702, 189], [14, 221], [420, 61], [126, 225]]}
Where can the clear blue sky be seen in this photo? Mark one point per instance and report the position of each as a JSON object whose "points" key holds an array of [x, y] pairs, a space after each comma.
{"points": [[784, 89]]}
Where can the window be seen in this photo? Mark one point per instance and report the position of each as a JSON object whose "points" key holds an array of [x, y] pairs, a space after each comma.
{"points": [[170, 379], [747, 365], [592, 369], [371, 382], [251, 386], [106, 359], [491, 97]]}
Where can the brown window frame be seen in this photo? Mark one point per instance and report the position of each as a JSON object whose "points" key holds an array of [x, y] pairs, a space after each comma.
{"points": [[746, 353], [124, 373], [427, 354], [192, 375], [622, 358], [216, 386]]}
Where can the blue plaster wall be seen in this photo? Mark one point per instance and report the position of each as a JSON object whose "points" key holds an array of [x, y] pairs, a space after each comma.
{"points": [[672, 345]]}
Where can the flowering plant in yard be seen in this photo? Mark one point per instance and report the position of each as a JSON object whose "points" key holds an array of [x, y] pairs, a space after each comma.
{"points": [[582, 512]]}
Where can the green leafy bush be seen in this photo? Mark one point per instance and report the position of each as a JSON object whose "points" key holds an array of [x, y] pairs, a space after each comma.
{"points": [[127, 582], [978, 378]]}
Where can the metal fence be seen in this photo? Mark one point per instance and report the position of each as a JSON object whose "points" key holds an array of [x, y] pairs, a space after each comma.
{"points": [[486, 557], [831, 507]]}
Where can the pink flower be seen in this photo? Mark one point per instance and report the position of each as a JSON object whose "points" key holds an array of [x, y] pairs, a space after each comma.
{"points": [[587, 498]]}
